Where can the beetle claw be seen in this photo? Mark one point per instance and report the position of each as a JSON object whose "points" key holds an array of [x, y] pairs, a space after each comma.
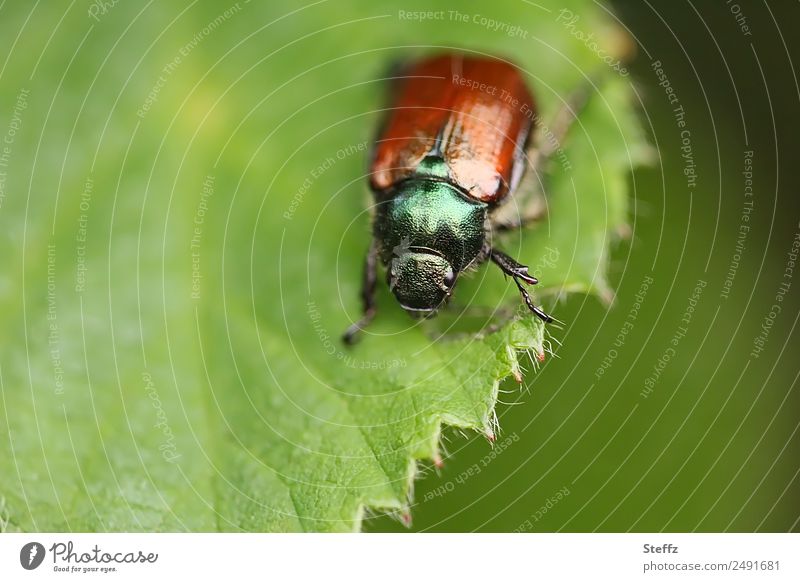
{"points": [[522, 273]]}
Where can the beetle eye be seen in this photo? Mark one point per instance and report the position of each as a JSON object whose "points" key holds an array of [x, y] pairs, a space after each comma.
{"points": [[449, 278]]}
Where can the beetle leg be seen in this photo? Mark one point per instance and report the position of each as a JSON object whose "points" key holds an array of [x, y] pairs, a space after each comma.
{"points": [[560, 126], [511, 216], [532, 204], [511, 267], [368, 286], [529, 302], [518, 272]]}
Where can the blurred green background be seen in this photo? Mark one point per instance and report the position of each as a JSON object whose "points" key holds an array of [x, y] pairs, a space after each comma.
{"points": [[713, 446]]}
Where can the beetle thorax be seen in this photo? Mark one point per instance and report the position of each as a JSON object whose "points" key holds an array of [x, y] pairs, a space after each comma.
{"points": [[431, 215]]}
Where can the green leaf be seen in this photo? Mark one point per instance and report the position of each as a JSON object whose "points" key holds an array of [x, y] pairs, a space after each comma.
{"points": [[176, 280]]}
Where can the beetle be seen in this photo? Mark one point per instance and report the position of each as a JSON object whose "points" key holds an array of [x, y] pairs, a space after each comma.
{"points": [[448, 159]]}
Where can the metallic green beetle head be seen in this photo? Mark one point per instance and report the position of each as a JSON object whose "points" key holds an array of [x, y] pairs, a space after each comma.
{"points": [[421, 281], [429, 231]]}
